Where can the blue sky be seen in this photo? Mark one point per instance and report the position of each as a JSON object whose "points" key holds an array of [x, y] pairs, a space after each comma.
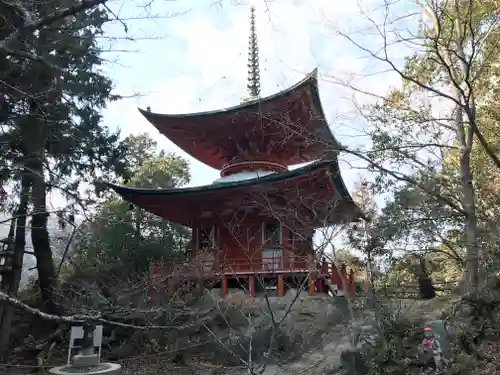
{"points": [[191, 56], [196, 61]]}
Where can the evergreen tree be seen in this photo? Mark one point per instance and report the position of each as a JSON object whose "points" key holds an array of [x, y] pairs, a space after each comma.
{"points": [[52, 134], [125, 239]]}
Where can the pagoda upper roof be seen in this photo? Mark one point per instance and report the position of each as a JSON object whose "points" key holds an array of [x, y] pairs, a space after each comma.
{"points": [[318, 188], [291, 121]]}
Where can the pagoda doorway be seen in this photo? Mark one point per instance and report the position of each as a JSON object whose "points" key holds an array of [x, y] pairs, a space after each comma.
{"points": [[272, 259], [272, 252]]}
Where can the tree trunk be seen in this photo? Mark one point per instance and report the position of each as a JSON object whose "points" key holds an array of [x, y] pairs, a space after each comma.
{"points": [[34, 139], [425, 287], [17, 266], [473, 252], [6, 279], [47, 276], [371, 279], [458, 69], [473, 259]]}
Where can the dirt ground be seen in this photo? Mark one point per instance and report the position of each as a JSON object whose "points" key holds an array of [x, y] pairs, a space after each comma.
{"points": [[326, 321]]}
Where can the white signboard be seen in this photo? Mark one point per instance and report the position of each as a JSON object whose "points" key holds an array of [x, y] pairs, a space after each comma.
{"points": [[77, 334]]}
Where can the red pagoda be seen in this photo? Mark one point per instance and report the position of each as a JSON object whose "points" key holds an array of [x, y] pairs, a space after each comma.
{"points": [[254, 225]]}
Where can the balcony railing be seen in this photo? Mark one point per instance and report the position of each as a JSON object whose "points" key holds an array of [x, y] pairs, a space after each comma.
{"points": [[265, 264], [169, 274], [236, 265]]}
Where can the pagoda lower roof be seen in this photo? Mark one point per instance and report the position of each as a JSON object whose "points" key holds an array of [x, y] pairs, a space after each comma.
{"points": [[315, 191], [288, 127]]}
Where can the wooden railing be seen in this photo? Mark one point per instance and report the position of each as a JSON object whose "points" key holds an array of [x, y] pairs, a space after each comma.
{"points": [[413, 291], [239, 265], [171, 273], [266, 264], [261, 265]]}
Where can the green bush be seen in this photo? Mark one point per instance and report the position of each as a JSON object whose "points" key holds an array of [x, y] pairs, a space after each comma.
{"points": [[395, 347]]}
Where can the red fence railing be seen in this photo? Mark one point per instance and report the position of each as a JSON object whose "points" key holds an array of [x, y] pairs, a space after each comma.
{"points": [[207, 267], [238, 265], [170, 272]]}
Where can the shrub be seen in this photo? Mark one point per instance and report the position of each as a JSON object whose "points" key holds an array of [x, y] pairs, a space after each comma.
{"points": [[393, 348]]}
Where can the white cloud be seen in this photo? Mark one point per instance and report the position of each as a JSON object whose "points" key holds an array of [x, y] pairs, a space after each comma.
{"points": [[209, 72], [201, 65]]}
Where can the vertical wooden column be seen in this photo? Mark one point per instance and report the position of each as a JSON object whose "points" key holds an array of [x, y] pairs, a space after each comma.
{"points": [[284, 258], [251, 286], [319, 284], [285, 262], [310, 285], [291, 249], [224, 286], [311, 266], [281, 286]]}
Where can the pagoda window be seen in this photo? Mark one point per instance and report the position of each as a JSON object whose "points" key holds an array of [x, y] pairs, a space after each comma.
{"points": [[206, 237], [290, 236], [271, 234]]}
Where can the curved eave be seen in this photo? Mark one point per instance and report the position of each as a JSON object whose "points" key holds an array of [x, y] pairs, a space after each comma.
{"points": [[251, 106], [339, 184], [175, 126], [215, 188], [134, 195]]}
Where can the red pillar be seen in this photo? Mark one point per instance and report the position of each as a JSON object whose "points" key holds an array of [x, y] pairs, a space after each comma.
{"points": [[319, 285], [251, 286], [224, 286], [311, 285], [281, 286]]}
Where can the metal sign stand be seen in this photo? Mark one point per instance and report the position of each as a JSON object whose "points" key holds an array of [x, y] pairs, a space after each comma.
{"points": [[76, 341], [87, 340]]}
